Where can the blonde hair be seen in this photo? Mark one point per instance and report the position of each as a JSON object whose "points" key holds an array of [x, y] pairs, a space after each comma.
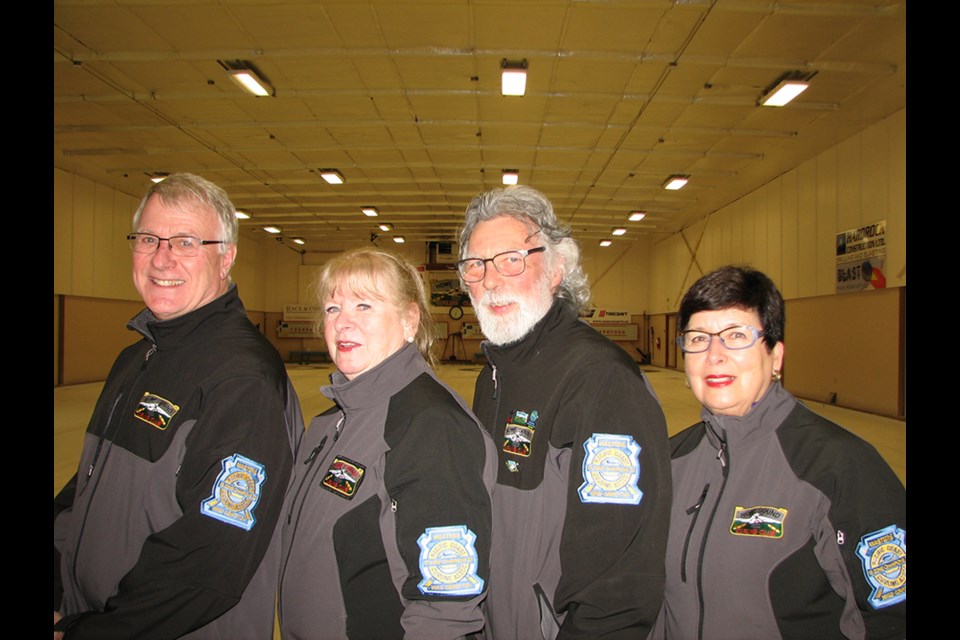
{"points": [[382, 276]]}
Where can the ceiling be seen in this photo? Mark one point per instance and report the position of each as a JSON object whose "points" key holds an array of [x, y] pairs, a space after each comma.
{"points": [[403, 98]]}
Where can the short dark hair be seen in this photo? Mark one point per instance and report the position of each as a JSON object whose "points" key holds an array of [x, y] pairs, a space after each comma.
{"points": [[738, 288]]}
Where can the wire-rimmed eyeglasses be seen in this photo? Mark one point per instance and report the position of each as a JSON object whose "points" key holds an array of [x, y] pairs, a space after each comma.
{"points": [[508, 263], [182, 246], [738, 337]]}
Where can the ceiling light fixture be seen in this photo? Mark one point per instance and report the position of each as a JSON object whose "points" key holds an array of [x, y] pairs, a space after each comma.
{"points": [[272, 229], [399, 239], [241, 215], [637, 216], [513, 77], [675, 182], [157, 176], [510, 176], [618, 231], [245, 74], [385, 226], [299, 241], [785, 88], [606, 243], [332, 176], [370, 212]]}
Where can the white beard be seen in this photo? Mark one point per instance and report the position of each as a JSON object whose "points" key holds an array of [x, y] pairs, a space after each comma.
{"points": [[503, 329]]}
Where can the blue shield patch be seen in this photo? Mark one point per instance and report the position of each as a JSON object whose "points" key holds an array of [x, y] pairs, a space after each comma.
{"points": [[448, 562], [883, 554], [611, 470], [236, 492]]}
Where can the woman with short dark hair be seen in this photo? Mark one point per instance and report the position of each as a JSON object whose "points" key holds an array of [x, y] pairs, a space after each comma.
{"points": [[783, 525]]}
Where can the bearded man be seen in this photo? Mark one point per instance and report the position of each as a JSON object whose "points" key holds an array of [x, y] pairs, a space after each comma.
{"points": [[583, 498]]}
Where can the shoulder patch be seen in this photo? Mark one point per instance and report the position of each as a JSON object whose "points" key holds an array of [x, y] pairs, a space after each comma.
{"points": [[761, 522], [155, 411], [519, 432], [883, 554], [611, 470], [343, 477], [236, 492], [448, 562]]}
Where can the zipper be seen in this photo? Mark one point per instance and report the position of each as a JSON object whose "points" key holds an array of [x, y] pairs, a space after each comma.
{"points": [[695, 512], [723, 457], [312, 471]]}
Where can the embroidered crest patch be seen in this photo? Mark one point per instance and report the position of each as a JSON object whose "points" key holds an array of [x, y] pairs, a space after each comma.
{"points": [[519, 432], [448, 562], [611, 470], [883, 554], [236, 492], [512, 466], [343, 477], [155, 411], [763, 522]]}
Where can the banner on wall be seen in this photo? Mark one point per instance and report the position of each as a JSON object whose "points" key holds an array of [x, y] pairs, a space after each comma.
{"points": [[300, 312], [606, 316], [444, 288], [861, 258]]}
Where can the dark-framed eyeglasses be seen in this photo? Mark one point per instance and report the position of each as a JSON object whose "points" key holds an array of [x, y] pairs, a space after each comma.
{"points": [[508, 263], [182, 246], [738, 337]]}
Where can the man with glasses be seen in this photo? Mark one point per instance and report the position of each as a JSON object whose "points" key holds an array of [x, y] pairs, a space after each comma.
{"points": [[166, 529], [583, 495]]}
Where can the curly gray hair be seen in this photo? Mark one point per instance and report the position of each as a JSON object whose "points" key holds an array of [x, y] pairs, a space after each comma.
{"points": [[532, 208]]}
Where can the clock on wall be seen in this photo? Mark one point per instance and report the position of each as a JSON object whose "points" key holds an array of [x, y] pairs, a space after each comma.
{"points": [[456, 312]]}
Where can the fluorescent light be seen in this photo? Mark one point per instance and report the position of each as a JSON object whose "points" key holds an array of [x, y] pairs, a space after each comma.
{"points": [[784, 93], [606, 243], [618, 231], [637, 216], [249, 81], [370, 212], [157, 176], [241, 215], [385, 226], [300, 241], [332, 176], [510, 176], [399, 239], [675, 182], [272, 229], [785, 88], [513, 78]]}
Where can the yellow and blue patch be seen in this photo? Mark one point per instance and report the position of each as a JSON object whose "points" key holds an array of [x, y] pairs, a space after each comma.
{"points": [[883, 554], [611, 470], [236, 492], [448, 562]]}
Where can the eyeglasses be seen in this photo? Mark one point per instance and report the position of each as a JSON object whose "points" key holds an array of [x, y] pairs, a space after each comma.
{"points": [[740, 337], [181, 246], [508, 263]]}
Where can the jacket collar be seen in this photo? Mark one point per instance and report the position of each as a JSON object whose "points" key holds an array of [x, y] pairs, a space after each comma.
{"points": [[530, 345], [762, 419], [379, 383], [170, 333]]}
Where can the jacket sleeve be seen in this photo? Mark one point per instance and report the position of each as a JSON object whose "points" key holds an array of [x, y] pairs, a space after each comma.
{"points": [[439, 483], [62, 502], [230, 489], [618, 505], [868, 525]]}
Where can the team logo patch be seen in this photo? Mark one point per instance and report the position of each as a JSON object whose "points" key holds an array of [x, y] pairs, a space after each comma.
{"points": [[763, 522], [344, 477], [519, 432], [512, 466], [448, 562], [155, 411], [611, 470], [236, 492], [884, 557]]}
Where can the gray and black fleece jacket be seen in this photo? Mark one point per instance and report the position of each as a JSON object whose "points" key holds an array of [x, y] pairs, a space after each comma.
{"points": [[166, 530], [784, 525], [387, 525], [582, 502]]}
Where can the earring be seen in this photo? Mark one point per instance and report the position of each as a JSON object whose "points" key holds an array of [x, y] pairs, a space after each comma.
{"points": [[410, 339], [775, 376]]}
